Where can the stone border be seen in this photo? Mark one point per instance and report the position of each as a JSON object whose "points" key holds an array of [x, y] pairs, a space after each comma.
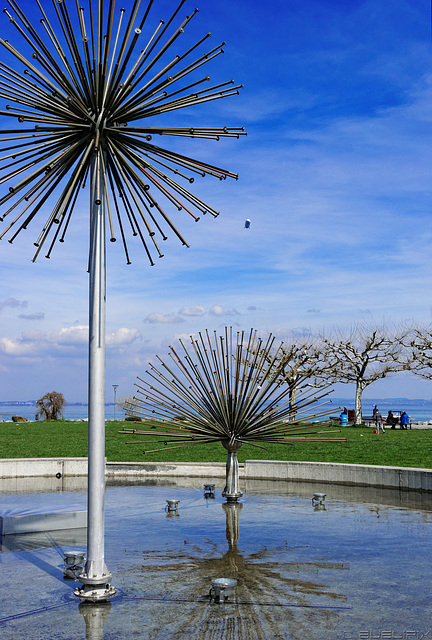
{"points": [[173, 469], [42, 467], [403, 478]]}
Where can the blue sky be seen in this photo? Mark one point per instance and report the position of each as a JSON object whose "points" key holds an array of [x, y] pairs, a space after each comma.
{"points": [[334, 175]]}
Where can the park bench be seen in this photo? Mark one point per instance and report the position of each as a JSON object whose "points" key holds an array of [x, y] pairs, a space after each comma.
{"points": [[369, 421]]}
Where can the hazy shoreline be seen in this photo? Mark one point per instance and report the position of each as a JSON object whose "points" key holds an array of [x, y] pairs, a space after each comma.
{"points": [[419, 410], [73, 411]]}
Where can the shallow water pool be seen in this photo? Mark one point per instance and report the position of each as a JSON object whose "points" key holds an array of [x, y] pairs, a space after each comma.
{"points": [[358, 568]]}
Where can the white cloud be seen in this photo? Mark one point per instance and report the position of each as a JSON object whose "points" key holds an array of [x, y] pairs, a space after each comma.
{"points": [[218, 310], [122, 337], [12, 347], [197, 310], [75, 335], [38, 343], [163, 318]]}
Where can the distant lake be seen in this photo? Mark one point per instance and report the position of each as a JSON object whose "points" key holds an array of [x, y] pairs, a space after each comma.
{"points": [[418, 410], [72, 412]]}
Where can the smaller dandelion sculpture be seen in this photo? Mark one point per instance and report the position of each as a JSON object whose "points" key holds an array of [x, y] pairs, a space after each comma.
{"points": [[224, 389]]}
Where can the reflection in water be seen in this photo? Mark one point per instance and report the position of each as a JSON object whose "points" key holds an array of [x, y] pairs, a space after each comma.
{"points": [[272, 597], [44, 539], [319, 507], [94, 617], [297, 569]]}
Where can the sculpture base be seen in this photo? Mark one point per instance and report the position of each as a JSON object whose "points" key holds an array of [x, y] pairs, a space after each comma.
{"points": [[232, 489], [95, 588], [232, 497], [95, 593]]}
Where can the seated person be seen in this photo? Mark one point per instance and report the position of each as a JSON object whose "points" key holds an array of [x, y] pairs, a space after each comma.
{"points": [[404, 420], [390, 420]]}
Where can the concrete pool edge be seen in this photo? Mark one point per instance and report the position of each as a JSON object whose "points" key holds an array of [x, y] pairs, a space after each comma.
{"points": [[403, 478]]}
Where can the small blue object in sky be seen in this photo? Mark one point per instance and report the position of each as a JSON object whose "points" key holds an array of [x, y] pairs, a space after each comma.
{"points": [[247, 224]]}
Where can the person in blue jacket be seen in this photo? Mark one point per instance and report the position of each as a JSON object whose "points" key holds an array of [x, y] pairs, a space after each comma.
{"points": [[404, 420]]}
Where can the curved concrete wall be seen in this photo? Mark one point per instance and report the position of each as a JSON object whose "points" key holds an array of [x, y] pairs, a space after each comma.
{"points": [[42, 467], [347, 474], [173, 469], [404, 478]]}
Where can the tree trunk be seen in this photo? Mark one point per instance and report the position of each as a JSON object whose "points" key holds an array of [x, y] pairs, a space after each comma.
{"points": [[292, 399], [358, 403]]}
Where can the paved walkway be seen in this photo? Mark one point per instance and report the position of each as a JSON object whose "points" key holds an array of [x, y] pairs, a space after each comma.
{"points": [[421, 425]]}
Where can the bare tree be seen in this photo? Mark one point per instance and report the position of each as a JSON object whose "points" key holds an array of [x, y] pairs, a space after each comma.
{"points": [[126, 404], [51, 406], [419, 346], [364, 355], [301, 362]]}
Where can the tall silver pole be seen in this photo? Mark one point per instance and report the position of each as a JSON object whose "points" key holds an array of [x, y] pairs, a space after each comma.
{"points": [[95, 577]]}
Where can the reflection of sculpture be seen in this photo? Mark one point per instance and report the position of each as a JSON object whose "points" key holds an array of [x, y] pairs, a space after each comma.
{"points": [[232, 513], [94, 617], [222, 389], [276, 595]]}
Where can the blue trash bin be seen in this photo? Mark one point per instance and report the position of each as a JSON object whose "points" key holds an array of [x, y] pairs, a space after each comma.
{"points": [[344, 418]]}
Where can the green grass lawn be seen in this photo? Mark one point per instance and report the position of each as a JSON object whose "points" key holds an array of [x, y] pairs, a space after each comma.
{"points": [[412, 448]]}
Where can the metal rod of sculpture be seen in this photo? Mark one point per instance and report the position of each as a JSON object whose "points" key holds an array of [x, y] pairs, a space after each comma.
{"points": [[83, 94]]}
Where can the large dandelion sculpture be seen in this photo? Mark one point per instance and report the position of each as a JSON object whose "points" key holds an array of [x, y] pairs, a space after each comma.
{"points": [[224, 389], [90, 86]]}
